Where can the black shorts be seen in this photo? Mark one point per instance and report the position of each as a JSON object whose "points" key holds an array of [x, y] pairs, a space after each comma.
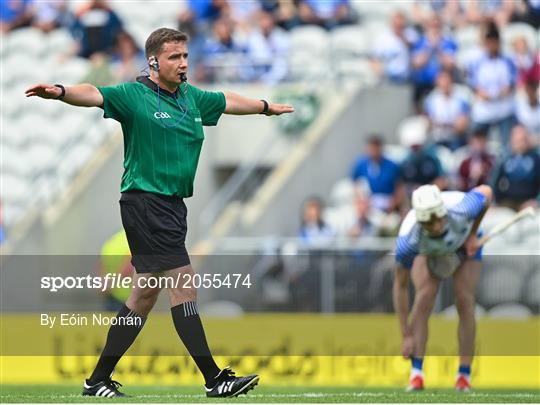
{"points": [[156, 230]]}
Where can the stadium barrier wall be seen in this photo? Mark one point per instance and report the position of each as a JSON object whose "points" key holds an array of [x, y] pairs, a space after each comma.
{"points": [[310, 350]]}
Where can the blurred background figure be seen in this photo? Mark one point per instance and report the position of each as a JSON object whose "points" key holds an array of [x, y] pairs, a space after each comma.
{"points": [[517, 181], [421, 165], [196, 21], [224, 55], [530, 13], [313, 229], [285, 13], [15, 14], [448, 113], [382, 175], [242, 13], [499, 11], [200, 14], [522, 57], [493, 78], [328, 14], [96, 27], [49, 15], [390, 54], [365, 217], [267, 50], [450, 11], [476, 168], [434, 51], [528, 107], [127, 59]]}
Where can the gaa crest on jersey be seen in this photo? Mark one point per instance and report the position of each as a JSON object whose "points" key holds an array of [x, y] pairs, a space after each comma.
{"points": [[160, 115]]}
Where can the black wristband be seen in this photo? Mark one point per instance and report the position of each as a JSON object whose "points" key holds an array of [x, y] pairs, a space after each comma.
{"points": [[265, 108], [61, 96]]}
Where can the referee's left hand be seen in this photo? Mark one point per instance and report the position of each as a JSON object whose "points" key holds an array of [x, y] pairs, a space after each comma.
{"points": [[278, 109]]}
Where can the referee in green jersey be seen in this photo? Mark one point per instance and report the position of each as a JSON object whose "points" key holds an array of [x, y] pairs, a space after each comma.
{"points": [[162, 118]]}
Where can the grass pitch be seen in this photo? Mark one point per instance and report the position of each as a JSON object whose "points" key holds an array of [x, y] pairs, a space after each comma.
{"points": [[265, 394]]}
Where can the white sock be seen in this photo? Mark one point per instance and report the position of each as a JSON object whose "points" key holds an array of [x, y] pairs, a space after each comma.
{"points": [[416, 371]]}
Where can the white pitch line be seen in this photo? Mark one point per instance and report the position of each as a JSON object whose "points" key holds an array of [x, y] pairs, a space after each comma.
{"points": [[300, 395]]}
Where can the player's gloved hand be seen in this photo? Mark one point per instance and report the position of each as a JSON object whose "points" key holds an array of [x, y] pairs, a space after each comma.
{"points": [[407, 346], [471, 245]]}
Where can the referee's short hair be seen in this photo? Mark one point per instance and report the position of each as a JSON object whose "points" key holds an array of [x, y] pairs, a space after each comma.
{"points": [[155, 41]]}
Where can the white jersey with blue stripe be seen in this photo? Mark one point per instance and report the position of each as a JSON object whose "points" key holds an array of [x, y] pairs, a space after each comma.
{"points": [[463, 209]]}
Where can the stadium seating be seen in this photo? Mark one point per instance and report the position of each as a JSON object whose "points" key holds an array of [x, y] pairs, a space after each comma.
{"points": [[309, 55], [468, 37], [350, 41], [378, 10], [36, 134]]}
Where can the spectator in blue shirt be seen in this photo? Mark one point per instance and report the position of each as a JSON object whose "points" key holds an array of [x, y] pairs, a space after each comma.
{"points": [[328, 13], [207, 11], [220, 50], [285, 13], [493, 78], [196, 21], [267, 50], [382, 175], [517, 182], [15, 14], [448, 113], [433, 52], [49, 15], [390, 54], [314, 230]]}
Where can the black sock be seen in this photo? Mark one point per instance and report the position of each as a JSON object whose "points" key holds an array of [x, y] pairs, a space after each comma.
{"points": [[190, 329], [119, 339]]}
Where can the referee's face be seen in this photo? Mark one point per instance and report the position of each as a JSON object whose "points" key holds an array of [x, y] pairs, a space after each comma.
{"points": [[172, 62]]}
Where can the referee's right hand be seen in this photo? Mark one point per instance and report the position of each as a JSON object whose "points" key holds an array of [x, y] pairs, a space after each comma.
{"points": [[44, 91]]}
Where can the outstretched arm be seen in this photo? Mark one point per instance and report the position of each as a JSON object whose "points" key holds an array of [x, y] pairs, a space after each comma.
{"points": [[240, 105], [81, 95]]}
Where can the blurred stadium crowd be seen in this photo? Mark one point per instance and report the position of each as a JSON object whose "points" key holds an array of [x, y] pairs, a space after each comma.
{"points": [[474, 67]]}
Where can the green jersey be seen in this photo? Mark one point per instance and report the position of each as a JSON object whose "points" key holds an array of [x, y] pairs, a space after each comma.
{"points": [[162, 136]]}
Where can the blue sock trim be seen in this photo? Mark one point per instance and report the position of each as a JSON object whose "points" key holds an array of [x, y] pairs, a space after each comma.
{"points": [[417, 363], [464, 370]]}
